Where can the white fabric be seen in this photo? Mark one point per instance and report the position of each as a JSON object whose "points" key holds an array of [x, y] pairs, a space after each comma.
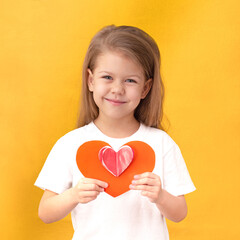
{"points": [[130, 215]]}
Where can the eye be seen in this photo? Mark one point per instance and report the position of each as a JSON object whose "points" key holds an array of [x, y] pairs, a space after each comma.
{"points": [[107, 77], [131, 81]]}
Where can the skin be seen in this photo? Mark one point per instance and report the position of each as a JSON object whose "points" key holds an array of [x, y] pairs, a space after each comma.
{"points": [[117, 93], [172, 207], [54, 207], [118, 85]]}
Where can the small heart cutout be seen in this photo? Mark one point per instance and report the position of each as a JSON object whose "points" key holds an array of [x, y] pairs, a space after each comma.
{"points": [[116, 162], [87, 159]]}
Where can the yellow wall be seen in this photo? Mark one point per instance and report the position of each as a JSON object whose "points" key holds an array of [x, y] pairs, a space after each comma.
{"points": [[42, 45]]}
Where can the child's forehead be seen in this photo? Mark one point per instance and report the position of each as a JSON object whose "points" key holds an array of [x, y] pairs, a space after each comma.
{"points": [[121, 53], [115, 59]]}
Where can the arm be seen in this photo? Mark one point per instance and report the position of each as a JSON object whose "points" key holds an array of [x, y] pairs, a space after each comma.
{"points": [[172, 207], [54, 207]]}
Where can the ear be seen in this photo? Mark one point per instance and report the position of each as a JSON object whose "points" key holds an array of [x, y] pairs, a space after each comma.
{"points": [[146, 88], [90, 80]]}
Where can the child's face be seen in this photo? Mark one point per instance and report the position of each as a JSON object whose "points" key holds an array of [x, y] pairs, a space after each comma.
{"points": [[118, 84]]}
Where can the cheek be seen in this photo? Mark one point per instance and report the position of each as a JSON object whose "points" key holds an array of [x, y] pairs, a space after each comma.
{"points": [[99, 92], [100, 89], [135, 94]]}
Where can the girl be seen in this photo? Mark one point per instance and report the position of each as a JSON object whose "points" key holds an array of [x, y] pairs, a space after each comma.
{"points": [[122, 99]]}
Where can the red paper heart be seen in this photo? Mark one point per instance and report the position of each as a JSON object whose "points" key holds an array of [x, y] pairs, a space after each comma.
{"points": [[116, 162], [90, 166]]}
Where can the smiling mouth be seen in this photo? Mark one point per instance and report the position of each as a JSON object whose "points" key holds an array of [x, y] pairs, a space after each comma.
{"points": [[115, 102]]}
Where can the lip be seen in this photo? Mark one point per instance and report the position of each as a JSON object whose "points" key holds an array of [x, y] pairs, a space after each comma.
{"points": [[115, 101]]}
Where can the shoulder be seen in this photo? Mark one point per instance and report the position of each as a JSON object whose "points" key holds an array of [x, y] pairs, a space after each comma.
{"points": [[75, 132], [75, 136], [157, 134], [158, 139]]}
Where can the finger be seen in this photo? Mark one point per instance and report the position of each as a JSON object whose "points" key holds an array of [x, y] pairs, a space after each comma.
{"points": [[146, 175], [89, 194], [87, 199], [150, 195], [143, 188], [86, 185], [95, 181], [91, 187], [146, 181]]}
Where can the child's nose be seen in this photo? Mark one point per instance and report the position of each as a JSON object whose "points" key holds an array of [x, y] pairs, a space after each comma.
{"points": [[117, 87]]}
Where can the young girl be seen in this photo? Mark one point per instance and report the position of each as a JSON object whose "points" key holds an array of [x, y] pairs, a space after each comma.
{"points": [[122, 99]]}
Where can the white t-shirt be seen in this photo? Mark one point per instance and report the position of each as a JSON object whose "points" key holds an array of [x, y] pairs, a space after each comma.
{"points": [[130, 215]]}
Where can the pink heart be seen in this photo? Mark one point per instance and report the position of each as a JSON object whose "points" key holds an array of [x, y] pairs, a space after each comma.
{"points": [[116, 162]]}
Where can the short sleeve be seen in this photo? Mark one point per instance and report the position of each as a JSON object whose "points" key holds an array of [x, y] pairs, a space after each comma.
{"points": [[176, 178], [56, 173]]}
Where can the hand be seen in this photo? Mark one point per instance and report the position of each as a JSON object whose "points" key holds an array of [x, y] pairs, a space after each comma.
{"points": [[150, 184], [88, 189]]}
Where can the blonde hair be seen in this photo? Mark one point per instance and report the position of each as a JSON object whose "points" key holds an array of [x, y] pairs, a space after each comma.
{"points": [[140, 47]]}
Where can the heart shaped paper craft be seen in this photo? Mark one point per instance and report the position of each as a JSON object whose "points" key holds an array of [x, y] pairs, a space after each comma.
{"points": [[90, 166], [116, 162]]}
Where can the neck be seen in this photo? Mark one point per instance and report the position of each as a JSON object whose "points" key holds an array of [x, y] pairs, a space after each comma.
{"points": [[117, 128]]}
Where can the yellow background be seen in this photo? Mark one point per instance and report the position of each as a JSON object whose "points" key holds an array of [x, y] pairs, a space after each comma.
{"points": [[42, 45]]}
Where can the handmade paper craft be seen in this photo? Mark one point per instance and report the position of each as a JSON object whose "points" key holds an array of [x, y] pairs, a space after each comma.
{"points": [[90, 156], [116, 162]]}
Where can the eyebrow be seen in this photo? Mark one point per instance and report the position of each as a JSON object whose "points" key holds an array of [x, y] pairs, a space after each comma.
{"points": [[110, 73]]}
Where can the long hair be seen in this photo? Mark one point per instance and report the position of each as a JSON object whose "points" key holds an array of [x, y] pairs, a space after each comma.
{"points": [[140, 47]]}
